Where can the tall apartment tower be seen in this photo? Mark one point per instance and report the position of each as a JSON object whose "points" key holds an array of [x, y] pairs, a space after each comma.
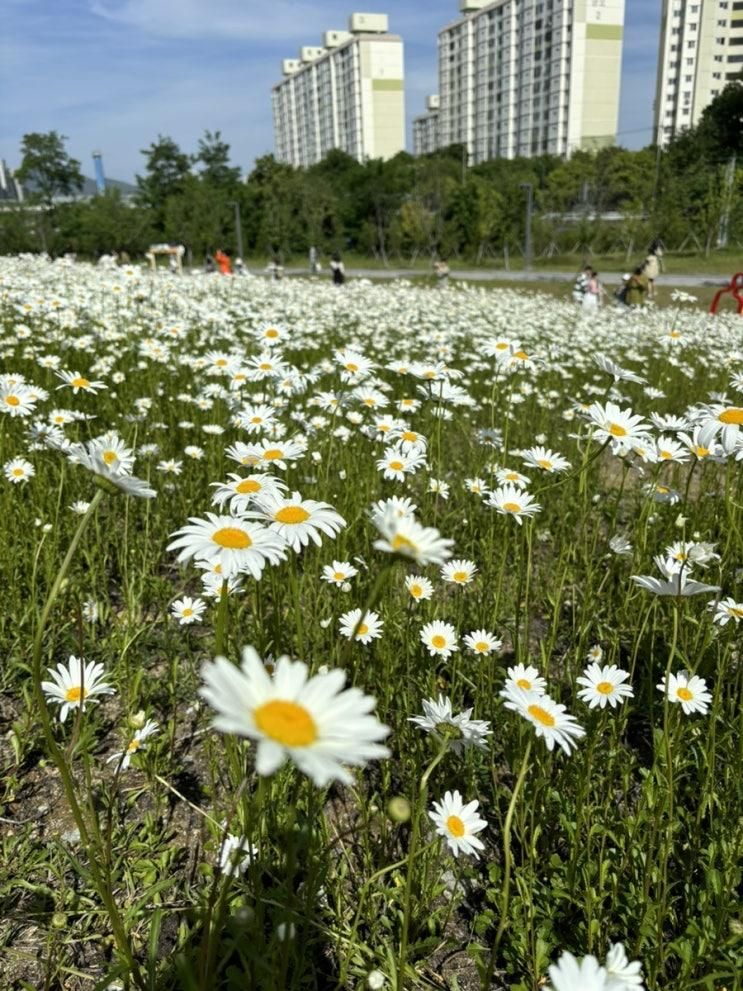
{"points": [[527, 77], [701, 49], [346, 94], [426, 128]]}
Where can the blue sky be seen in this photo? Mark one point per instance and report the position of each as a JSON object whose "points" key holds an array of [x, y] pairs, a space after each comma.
{"points": [[112, 74]]}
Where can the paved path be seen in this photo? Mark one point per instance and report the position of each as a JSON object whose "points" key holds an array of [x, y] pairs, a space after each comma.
{"points": [[501, 275]]}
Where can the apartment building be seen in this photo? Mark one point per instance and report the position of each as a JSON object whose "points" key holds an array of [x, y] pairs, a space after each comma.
{"points": [[528, 77], [701, 50], [426, 128], [346, 93]]}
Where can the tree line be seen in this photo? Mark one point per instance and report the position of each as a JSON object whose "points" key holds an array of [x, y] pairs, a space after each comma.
{"points": [[613, 198]]}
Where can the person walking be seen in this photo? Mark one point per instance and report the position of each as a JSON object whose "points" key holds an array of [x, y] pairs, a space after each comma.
{"points": [[275, 269], [441, 271], [652, 267], [337, 270], [592, 295], [222, 259], [637, 287], [580, 284]]}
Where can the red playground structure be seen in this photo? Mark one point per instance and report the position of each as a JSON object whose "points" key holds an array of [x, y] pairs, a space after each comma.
{"points": [[735, 288]]}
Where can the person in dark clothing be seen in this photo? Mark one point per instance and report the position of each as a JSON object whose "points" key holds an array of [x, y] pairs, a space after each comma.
{"points": [[337, 271]]}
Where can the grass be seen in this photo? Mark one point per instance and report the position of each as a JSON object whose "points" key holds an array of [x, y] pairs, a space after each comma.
{"points": [[721, 263], [112, 876]]}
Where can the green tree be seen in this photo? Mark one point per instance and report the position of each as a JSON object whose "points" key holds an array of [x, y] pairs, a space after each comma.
{"points": [[46, 169], [214, 157], [166, 169]]}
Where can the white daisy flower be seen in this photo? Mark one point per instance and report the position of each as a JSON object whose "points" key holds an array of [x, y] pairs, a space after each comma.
{"points": [[462, 731], [315, 722], [18, 470], [235, 855], [440, 638], [523, 678], [367, 629], [338, 572], [549, 718], [188, 610], [482, 642], [405, 536], [725, 610], [510, 501], [604, 685], [299, 520], [75, 685], [233, 543], [459, 572], [149, 729], [688, 690], [418, 587], [458, 824]]}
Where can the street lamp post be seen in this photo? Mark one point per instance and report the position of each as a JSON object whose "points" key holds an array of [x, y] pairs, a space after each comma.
{"points": [[528, 246], [238, 227]]}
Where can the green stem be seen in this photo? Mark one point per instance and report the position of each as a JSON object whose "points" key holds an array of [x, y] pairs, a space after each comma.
{"points": [[102, 886], [507, 865], [414, 839]]}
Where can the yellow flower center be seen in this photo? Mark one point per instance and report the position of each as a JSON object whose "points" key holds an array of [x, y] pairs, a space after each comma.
{"points": [[409, 435], [684, 694], [438, 641], [735, 611], [544, 463], [701, 452], [109, 457], [734, 414], [455, 826], [396, 465], [501, 346], [12, 401], [481, 647], [524, 683], [75, 694], [511, 507], [18, 472], [617, 430], [604, 688], [133, 746], [271, 333], [460, 576], [416, 591], [398, 542], [351, 367], [541, 715], [662, 489], [220, 362], [80, 382], [256, 419], [248, 485], [512, 476], [362, 630], [291, 514], [273, 454], [187, 612], [265, 366], [232, 537], [249, 459], [338, 576], [521, 355], [287, 723]]}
